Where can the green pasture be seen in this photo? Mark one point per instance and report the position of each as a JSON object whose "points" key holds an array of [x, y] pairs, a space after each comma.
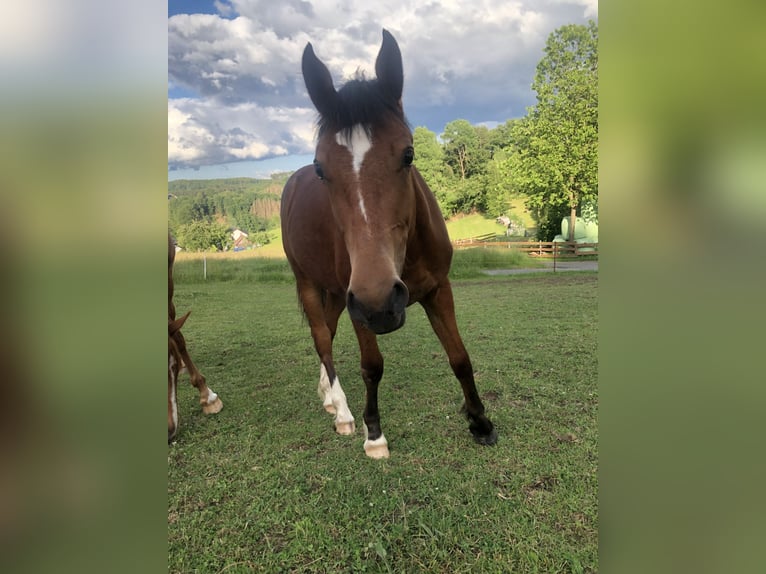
{"points": [[461, 227], [251, 267], [474, 225], [267, 486]]}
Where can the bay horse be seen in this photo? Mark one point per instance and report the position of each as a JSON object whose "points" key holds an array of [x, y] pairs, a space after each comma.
{"points": [[362, 231], [180, 361]]}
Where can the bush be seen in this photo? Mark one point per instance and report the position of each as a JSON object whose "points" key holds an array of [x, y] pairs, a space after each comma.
{"points": [[203, 236]]}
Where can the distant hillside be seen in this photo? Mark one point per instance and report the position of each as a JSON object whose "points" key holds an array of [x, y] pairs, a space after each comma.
{"points": [[249, 204], [252, 205], [186, 187]]}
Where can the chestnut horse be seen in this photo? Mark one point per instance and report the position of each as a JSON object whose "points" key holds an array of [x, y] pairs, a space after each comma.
{"points": [[179, 360], [362, 230]]}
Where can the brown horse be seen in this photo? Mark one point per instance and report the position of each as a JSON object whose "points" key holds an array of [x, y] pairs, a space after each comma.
{"points": [[363, 231], [179, 360]]}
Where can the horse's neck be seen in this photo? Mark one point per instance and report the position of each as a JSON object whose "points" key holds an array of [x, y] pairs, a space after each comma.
{"points": [[428, 215]]}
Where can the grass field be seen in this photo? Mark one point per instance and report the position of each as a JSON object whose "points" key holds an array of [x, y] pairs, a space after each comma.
{"points": [[267, 486], [461, 227], [466, 226], [251, 267]]}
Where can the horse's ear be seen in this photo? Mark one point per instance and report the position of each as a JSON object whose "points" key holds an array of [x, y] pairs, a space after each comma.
{"points": [[175, 326], [318, 82], [388, 68]]}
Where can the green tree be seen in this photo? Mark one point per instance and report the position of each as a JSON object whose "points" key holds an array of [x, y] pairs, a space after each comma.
{"points": [[429, 159], [498, 192], [203, 236], [461, 145], [555, 159], [467, 151]]}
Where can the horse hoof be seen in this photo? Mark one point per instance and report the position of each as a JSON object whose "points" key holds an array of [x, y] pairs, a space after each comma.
{"points": [[212, 408], [486, 439], [346, 428], [376, 448]]}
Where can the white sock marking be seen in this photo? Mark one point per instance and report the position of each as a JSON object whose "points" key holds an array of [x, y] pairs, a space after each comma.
{"points": [[324, 387], [173, 399], [342, 412], [375, 444]]}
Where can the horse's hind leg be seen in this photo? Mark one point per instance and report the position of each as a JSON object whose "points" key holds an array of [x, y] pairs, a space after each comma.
{"points": [[375, 443], [440, 308], [323, 320], [210, 401]]}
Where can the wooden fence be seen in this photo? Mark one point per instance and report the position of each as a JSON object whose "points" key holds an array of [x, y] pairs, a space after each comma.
{"points": [[535, 248]]}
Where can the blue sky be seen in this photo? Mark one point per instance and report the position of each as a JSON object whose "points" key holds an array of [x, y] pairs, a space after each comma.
{"points": [[237, 105]]}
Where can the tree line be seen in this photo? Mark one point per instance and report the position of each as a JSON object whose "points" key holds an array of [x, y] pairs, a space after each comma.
{"points": [[547, 159], [202, 213]]}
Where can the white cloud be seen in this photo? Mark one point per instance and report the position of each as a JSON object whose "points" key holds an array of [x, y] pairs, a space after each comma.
{"points": [[475, 63], [200, 133]]}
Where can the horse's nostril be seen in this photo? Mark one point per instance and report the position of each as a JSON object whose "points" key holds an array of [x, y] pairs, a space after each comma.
{"points": [[399, 296]]}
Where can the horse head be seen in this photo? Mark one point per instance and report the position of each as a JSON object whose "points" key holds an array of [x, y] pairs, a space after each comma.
{"points": [[363, 156]]}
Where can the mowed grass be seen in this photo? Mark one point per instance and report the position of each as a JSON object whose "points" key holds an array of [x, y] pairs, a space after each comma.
{"points": [[466, 226], [252, 267], [267, 486]]}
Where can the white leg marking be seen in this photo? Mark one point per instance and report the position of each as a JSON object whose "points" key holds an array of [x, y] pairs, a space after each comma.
{"points": [[212, 404], [344, 420], [324, 390], [173, 398], [377, 448], [358, 144]]}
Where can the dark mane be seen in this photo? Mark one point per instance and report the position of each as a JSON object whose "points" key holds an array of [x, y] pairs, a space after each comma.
{"points": [[360, 102]]}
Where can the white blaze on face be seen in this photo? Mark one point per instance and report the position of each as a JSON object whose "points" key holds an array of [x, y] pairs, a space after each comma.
{"points": [[358, 143]]}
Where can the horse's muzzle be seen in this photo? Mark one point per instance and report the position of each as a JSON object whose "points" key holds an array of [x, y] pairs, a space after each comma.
{"points": [[387, 318]]}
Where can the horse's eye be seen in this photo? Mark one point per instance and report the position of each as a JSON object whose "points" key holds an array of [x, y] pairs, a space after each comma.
{"points": [[409, 156], [318, 169]]}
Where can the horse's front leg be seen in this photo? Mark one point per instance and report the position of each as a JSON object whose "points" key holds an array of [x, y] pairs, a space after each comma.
{"points": [[375, 443], [440, 308], [323, 321], [209, 401], [174, 366]]}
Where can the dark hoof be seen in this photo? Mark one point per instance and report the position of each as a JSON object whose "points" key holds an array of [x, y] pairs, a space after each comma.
{"points": [[486, 439], [483, 431], [481, 428]]}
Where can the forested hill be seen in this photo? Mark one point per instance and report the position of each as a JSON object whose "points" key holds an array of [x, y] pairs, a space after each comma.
{"points": [[186, 187], [202, 212]]}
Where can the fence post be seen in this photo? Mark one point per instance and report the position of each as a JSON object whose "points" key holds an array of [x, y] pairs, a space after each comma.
{"points": [[555, 253], [204, 267]]}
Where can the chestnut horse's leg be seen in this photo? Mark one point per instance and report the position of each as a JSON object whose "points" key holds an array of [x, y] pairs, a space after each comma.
{"points": [[322, 331], [375, 444], [440, 308], [210, 401], [174, 366]]}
